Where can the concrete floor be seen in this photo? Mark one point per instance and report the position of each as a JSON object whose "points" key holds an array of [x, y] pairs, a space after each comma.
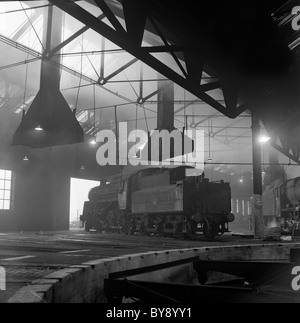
{"points": [[28, 256]]}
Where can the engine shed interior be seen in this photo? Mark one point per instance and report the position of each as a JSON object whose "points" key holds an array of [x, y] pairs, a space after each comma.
{"points": [[70, 70]]}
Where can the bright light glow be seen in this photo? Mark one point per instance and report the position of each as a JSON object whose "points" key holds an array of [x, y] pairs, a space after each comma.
{"points": [[93, 142], [241, 180], [263, 139], [25, 158], [38, 128]]}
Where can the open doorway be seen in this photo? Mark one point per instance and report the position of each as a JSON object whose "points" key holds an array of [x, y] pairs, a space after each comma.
{"points": [[79, 194]]}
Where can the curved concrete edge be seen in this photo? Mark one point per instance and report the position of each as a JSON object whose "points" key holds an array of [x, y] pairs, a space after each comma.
{"points": [[85, 283]]}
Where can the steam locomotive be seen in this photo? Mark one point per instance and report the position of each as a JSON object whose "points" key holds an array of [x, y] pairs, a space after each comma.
{"points": [[160, 201], [283, 202]]}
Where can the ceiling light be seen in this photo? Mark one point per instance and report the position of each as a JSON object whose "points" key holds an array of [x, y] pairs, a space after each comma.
{"points": [[263, 139], [93, 142], [38, 128]]}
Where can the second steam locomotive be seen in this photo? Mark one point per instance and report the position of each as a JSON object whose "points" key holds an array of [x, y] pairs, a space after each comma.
{"points": [[160, 201], [282, 203]]}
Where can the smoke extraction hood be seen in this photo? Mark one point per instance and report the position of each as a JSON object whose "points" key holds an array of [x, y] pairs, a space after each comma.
{"points": [[51, 112], [165, 121]]}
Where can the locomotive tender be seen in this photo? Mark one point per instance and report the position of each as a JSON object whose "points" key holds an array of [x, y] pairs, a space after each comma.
{"points": [[161, 201]]}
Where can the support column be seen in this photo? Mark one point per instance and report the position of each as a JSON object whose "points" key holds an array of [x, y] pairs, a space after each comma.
{"points": [[257, 209]]}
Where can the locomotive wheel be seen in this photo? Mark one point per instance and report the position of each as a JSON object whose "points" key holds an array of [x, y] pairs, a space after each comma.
{"points": [[110, 218], [210, 229], [114, 220]]}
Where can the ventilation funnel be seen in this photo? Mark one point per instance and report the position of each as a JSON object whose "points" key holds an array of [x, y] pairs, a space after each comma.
{"points": [[51, 112]]}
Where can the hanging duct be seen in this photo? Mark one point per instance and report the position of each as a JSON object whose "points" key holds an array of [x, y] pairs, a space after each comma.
{"points": [[49, 110], [163, 149]]}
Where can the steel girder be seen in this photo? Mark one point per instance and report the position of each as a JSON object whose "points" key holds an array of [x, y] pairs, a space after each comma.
{"points": [[286, 147], [45, 57], [136, 16]]}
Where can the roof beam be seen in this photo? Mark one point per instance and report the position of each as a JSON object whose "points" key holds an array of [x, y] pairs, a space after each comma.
{"points": [[36, 54], [51, 53], [2, 68], [109, 14], [287, 147], [163, 38], [118, 71], [126, 42], [26, 25]]}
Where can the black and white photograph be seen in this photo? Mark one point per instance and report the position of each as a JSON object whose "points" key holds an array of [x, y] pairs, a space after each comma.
{"points": [[150, 155]]}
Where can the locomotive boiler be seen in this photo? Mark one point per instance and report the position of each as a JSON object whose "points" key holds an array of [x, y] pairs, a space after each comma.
{"points": [[160, 201], [288, 202], [283, 202]]}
